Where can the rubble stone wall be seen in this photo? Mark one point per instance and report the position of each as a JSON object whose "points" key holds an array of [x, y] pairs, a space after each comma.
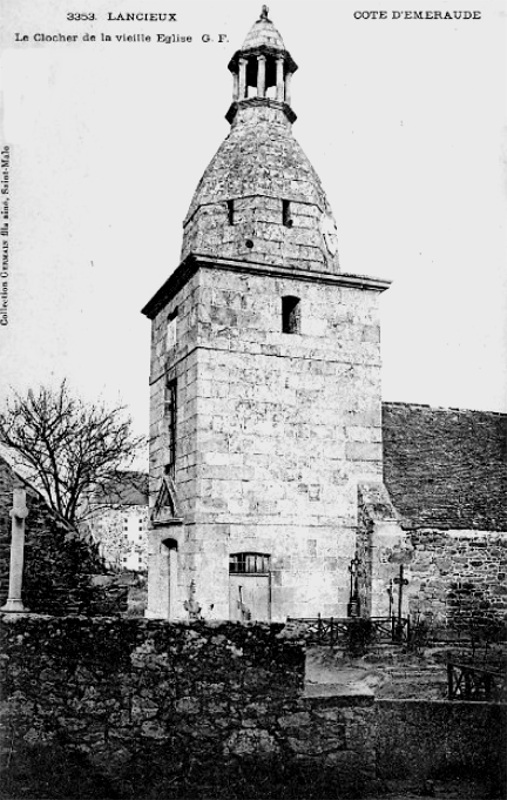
{"points": [[436, 739], [139, 707], [120, 692], [458, 578]]}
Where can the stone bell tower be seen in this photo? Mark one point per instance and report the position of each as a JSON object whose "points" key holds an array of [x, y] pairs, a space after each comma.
{"points": [[265, 377]]}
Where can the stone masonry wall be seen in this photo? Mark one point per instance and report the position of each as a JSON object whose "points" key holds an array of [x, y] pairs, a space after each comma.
{"points": [[274, 431], [382, 546], [174, 362], [177, 362], [458, 578], [421, 739], [124, 708], [5, 528], [144, 703], [286, 425]]}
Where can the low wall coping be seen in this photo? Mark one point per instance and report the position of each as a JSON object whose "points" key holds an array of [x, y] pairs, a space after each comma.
{"points": [[327, 699], [400, 701]]}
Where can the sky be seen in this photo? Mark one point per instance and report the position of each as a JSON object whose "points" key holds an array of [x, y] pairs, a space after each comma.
{"points": [[403, 119]]}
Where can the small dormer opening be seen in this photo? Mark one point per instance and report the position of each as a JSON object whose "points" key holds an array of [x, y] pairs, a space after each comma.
{"points": [[286, 214], [291, 314], [230, 212]]}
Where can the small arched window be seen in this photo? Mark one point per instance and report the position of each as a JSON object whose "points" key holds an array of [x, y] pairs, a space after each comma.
{"points": [[291, 314]]}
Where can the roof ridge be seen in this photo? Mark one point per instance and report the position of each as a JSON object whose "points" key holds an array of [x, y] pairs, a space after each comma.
{"points": [[402, 404]]}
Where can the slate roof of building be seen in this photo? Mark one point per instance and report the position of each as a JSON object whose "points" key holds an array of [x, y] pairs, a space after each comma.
{"points": [[127, 488], [446, 468]]}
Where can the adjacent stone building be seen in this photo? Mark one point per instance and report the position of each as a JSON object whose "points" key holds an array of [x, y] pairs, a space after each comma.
{"points": [[446, 472], [266, 455], [117, 519]]}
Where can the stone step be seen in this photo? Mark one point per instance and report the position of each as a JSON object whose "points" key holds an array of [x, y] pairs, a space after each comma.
{"points": [[431, 669]]}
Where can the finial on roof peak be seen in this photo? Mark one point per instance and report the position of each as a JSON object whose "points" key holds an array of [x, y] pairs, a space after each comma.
{"points": [[264, 13]]}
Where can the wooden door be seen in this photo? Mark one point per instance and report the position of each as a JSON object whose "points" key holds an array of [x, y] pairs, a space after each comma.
{"points": [[249, 598]]}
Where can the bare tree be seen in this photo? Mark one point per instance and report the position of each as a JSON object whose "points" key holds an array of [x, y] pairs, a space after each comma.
{"points": [[67, 446]]}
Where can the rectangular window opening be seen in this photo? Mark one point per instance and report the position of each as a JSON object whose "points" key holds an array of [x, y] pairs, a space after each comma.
{"points": [[230, 211], [286, 214], [171, 335], [291, 315], [249, 564], [171, 413]]}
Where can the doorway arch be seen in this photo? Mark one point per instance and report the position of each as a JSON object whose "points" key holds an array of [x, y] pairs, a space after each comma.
{"points": [[169, 575]]}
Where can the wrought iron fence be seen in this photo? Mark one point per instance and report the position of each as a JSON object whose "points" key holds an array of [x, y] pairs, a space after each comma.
{"points": [[468, 682], [336, 631], [323, 630], [394, 630]]}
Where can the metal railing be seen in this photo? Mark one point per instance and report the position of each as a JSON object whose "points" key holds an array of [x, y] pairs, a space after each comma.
{"points": [[323, 630], [336, 631], [391, 629], [468, 682]]}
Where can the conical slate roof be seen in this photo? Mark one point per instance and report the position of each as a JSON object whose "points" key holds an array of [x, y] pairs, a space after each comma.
{"points": [[260, 156], [260, 199]]}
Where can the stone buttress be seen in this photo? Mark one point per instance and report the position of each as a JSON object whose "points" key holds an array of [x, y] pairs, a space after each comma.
{"points": [[265, 377]]}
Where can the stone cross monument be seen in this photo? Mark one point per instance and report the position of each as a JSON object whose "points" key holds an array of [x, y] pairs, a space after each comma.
{"points": [[18, 514]]}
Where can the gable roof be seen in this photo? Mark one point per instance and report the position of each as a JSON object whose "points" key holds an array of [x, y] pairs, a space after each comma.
{"points": [[446, 467], [124, 488]]}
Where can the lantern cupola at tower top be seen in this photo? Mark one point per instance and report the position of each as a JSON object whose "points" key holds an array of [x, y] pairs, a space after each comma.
{"points": [[260, 200], [263, 67]]}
